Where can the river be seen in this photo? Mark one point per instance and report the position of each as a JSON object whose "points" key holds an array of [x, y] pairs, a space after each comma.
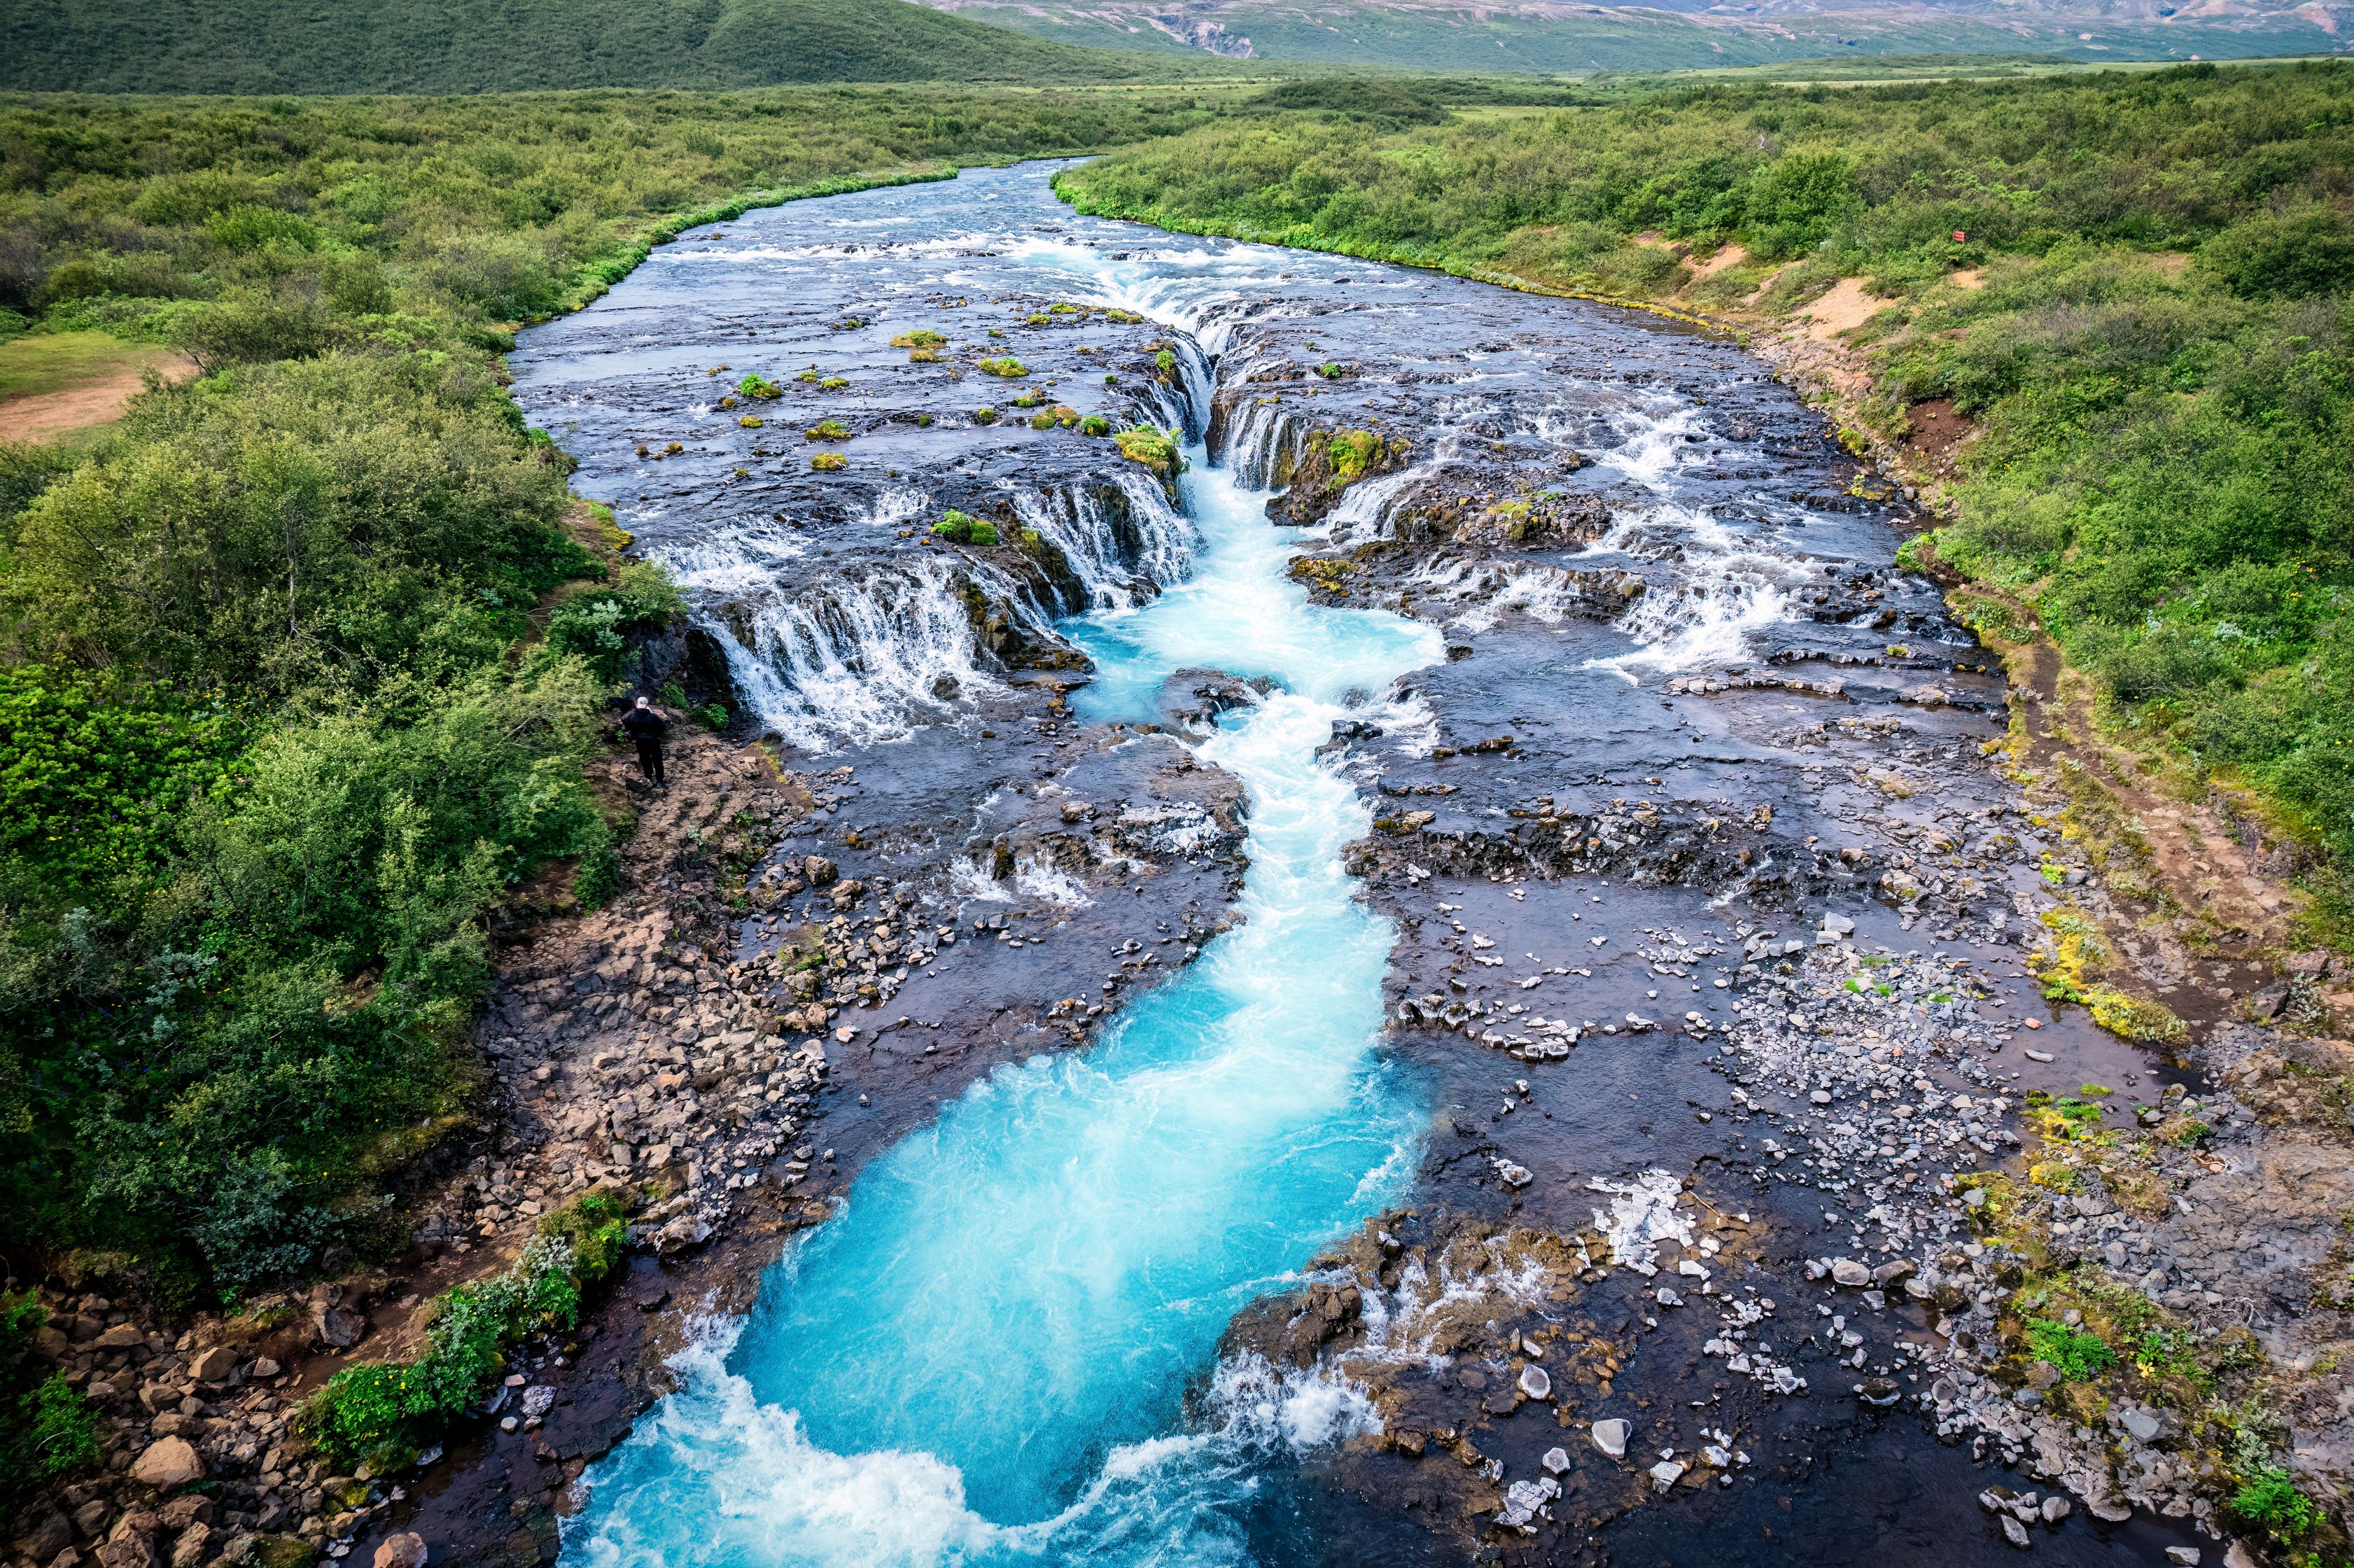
{"points": [[1013, 1341]]}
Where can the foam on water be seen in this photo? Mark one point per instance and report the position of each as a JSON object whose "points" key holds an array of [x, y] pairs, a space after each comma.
{"points": [[984, 1356], [851, 658]]}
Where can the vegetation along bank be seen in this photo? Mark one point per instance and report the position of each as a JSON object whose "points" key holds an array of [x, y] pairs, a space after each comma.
{"points": [[2103, 320], [305, 653]]}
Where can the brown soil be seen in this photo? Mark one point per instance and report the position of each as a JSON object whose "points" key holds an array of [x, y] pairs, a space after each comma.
{"points": [[1843, 308], [1727, 256], [48, 415]]}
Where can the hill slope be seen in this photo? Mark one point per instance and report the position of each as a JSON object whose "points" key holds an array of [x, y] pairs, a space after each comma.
{"points": [[494, 45]]}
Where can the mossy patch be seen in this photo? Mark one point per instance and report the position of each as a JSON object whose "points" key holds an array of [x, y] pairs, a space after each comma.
{"points": [[1155, 449]]}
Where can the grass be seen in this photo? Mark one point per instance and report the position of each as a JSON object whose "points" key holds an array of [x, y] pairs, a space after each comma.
{"points": [[2159, 360], [34, 364], [384, 1412]]}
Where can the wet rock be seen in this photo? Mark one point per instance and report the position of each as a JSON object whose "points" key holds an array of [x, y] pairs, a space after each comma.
{"points": [[406, 1550], [1557, 1460], [1847, 1271], [1611, 1436], [2016, 1534], [1535, 1382], [2188, 1556]]}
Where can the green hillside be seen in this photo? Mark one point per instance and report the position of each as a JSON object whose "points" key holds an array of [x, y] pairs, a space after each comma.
{"points": [[471, 45]]}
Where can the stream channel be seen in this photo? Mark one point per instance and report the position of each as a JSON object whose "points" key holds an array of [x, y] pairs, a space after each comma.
{"points": [[1020, 1338]]}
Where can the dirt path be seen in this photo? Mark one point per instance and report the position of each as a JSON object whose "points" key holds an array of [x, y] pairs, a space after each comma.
{"points": [[43, 417]]}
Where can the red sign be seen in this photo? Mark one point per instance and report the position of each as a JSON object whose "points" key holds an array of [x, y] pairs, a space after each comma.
{"points": [[1961, 236]]}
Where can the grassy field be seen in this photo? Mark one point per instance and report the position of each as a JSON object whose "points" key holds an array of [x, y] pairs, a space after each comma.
{"points": [[32, 364], [2160, 356]]}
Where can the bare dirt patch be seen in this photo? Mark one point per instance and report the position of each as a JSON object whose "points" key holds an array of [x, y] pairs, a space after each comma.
{"points": [[1726, 257], [1843, 308], [46, 415]]}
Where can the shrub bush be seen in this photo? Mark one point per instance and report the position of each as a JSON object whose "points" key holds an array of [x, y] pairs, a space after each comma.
{"points": [[383, 1413]]}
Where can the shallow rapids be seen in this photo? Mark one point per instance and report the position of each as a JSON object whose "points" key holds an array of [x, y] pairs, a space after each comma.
{"points": [[987, 1355]]}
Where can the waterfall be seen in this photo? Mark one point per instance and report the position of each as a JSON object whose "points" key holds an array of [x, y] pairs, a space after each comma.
{"points": [[859, 656]]}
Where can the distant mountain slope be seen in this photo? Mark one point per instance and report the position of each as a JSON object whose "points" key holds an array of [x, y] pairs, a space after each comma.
{"points": [[487, 45], [1573, 36]]}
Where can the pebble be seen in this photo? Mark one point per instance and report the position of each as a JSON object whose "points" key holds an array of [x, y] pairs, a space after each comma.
{"points": [[1610, 1436]]}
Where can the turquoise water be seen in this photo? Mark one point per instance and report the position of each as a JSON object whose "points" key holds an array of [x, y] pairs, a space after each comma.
{"points": [[985, 1356]]}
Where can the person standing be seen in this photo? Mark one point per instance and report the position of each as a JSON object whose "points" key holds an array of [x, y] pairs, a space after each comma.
{"points": [[647, 728]]}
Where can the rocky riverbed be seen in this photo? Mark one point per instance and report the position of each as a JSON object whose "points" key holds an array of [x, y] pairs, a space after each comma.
{"points": [[1840, 1139]]}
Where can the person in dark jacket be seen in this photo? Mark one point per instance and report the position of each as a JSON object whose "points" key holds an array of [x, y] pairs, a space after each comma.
{"points": [[647, 728]]}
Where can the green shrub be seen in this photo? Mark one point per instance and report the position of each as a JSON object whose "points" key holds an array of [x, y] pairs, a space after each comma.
{"points": [[984, 416], [2078, 1354], [2311, 252], [1155, 449], [954, 526], [829, 462], [2269, 1501], [758, 386], [1095, 425], [1353, 452], [827, 430], [984, 531], [53, 1430], [596, 875], [594, 624], [1005, 366], [384, 1412]]}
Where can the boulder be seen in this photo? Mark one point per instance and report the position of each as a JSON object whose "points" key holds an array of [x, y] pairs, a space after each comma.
{"points": [[1847, 1271], [406, 1550], [42, 1533], [192, 1546], [188, 1509], [334, 1323], [214, 1364], [167, 1463]]}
